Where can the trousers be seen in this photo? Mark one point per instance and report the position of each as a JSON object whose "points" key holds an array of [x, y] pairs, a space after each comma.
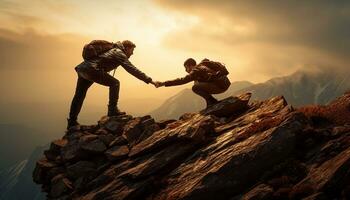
{"points": [[86, 77], [206, 89]]}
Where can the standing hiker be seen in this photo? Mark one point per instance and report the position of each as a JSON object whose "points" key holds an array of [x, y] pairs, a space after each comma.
{"points": [[209, 78], [101, 57]]}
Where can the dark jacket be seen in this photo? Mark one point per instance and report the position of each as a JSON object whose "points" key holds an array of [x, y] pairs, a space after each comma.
{"points": [[199, 73], [111, 59]]}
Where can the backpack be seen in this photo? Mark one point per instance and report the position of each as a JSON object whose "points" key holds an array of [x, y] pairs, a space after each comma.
{"points": [[215, 66], [96, 48]]}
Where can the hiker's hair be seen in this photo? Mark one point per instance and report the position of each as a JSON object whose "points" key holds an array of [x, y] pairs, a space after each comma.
{"points": [[128, 43], [190, 62]]}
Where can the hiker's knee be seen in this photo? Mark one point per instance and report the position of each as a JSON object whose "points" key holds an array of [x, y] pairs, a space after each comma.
{"points": [[196, 88], [115, 83]]}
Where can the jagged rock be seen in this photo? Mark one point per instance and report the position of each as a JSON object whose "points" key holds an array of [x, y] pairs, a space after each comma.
{"points": [[60, 186], [163, 123], [114, 124], [41, 169], [118, 141], [101, 131], [115, 127], [55, 171], [196, 130], [132, 130], [329, 177], [70, 151], [317, 196], [224, 172], [163, 160], [228, 106], [54, 153], [50, 155], [117, 152], [339, 130], [106, 139], [57, 145], [81, 168], [91, 144], [121, 189], [268, 150], [260, 192], [186, 116], [139, 129]]}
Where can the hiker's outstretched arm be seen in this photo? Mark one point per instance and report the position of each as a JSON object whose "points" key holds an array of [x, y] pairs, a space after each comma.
{"points": [[179, 81], [128, 66]]}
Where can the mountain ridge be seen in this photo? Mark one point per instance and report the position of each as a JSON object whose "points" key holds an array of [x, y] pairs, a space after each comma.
{"points": [[233, 150]]}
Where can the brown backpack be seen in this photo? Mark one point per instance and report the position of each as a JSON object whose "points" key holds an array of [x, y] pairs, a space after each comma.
{"points": [[215, 66], [96, 48]]}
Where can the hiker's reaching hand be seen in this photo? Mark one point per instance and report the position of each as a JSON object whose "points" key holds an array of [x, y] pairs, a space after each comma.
{"points": [[158, 84]]}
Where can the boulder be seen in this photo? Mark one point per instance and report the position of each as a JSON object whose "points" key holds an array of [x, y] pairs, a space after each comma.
{"points": [[117, 153], [197, 131], [107, 138], [118, 141], [81, 168], [60, 186], [71, 151], [139, 129], [92, 144], [41, 169], [229, 106]]}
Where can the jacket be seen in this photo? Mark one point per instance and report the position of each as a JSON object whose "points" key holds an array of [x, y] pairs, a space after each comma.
{"points": [[113, 58], [199, 73]]}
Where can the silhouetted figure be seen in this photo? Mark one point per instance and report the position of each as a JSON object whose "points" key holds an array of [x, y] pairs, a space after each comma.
{"points": [[101, 57], [209, 78]]}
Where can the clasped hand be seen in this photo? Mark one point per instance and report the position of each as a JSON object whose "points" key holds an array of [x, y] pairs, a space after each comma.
{"points": [[157, 84]]}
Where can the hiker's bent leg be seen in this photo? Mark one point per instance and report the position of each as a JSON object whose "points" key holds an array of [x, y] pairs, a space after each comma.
{"points": [[105, 79], [79, 96], [202, 90]]}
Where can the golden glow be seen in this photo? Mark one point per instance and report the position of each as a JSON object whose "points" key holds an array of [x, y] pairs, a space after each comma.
{"points": [[49, 36]]}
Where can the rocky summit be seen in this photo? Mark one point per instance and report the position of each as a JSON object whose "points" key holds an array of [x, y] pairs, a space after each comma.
{"points": [[236, 149]]}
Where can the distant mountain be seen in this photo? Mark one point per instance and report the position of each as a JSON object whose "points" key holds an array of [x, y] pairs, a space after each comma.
{"points": [[187, 101], [16, 181], [300, 88], [17, 142], [314, 86]]}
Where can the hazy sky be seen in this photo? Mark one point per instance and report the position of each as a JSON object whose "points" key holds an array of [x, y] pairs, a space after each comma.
{"points": [[41, 41]]}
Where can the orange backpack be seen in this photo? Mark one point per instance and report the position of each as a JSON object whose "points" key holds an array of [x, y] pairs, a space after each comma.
{"points": [[96, 48]]}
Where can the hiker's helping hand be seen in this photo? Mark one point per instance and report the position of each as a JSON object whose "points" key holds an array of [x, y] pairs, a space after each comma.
{"points": [[158, 84]]}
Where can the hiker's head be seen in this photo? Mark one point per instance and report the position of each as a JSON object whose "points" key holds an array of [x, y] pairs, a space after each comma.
{"points": [[129, 47], [189, 64]]}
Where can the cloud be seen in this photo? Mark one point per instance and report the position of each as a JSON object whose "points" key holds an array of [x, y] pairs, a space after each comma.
{"points": [[32, 51], [283, 34]]}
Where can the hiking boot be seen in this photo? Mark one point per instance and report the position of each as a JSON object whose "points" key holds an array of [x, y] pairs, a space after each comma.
{"points": [[71, 123], [211, 101], [114, 111]]}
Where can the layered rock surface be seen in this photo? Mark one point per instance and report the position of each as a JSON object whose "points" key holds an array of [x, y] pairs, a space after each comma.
{"points": [[233, 150]]}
